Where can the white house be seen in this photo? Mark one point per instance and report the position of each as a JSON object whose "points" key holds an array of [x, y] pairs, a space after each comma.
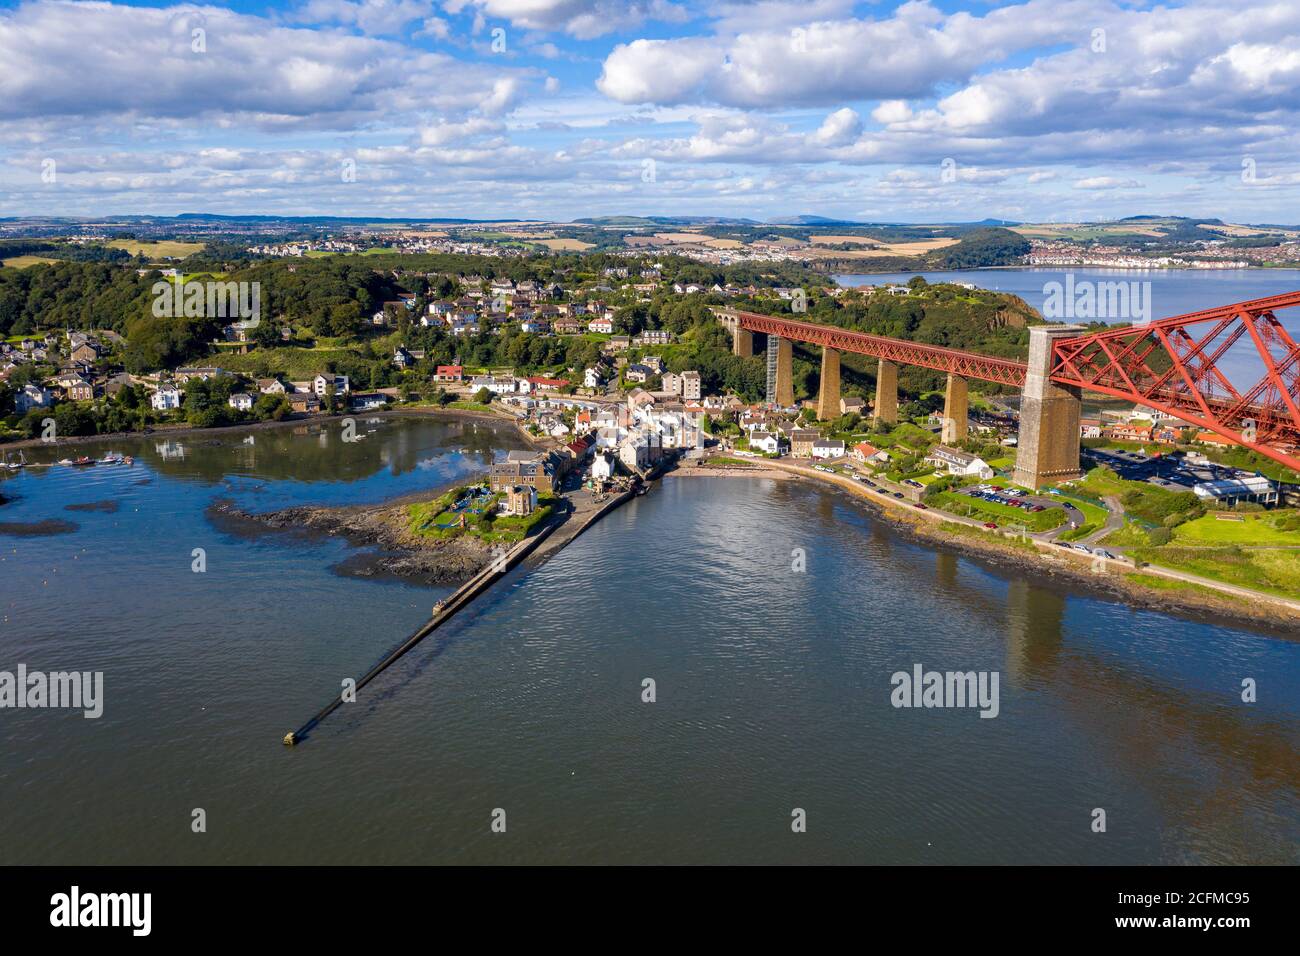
{"points": [[827, 448], [166, 398], [322, 382], [959, 462], [241, 401], [765, 442], [602, 466], [32, 396], [603, 325], [593, 377]]}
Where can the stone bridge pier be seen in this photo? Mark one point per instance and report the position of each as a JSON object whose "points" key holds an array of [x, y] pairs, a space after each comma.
{"points": [[828, 394], [1048, 446], [956, 411], [886, 409]]}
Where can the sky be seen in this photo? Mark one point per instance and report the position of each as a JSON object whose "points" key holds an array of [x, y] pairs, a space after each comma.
{"points": [[922, 111]]}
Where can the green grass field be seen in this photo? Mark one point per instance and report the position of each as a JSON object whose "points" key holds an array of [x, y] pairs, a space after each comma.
{"points": [[425, 518], [1092, 514], [164, 249], [1255, 528], [1272, 571], [1131, 535], [22, 262], [297, 364]]}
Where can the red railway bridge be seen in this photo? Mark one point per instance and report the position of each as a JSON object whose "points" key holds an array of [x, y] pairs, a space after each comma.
{"points": [[1173, 365]]}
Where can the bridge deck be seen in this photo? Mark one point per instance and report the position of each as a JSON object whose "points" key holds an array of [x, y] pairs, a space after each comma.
{"points": [[966, 364]]}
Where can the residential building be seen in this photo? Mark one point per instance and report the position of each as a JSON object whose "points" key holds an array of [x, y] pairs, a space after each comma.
{"points": [[507, 474], [827, 448], [653, 336], [602, 466], [241, 401], [520, 501], [271, 386], [691, 386], [959, 462], [868, 453], [802, 441], [32, 396], [304, 402], [322, 383], [166, 398]]}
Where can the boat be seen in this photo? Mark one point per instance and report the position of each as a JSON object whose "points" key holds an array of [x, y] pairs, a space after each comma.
{"points": [[16, 465], [83, 461], [111, 458]]}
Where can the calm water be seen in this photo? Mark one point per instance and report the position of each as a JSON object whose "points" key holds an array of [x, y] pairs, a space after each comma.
{"points": [[773, 687]]}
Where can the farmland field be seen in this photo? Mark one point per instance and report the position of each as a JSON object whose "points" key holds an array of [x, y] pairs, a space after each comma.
{"points": [[22, 262], [165, 249], [566, 245]]}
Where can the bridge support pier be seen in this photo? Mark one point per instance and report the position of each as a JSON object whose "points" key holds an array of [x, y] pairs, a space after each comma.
{"points": [[780, 364], [828, 395], [742, 342], [886, 393], [956, 408], [1048, 446]]}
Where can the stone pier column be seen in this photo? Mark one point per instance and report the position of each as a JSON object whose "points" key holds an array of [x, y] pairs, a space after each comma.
{"points": [[886, 393], [784, 370], [742, 342], [956, 407], [828, 396], [1048, 446]]}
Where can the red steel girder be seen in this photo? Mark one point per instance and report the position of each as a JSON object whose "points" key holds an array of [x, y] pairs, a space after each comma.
{"points": [[965, 364], [1193, 388]]}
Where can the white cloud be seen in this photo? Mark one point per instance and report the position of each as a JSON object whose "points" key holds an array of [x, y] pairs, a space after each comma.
{"points": [[908, 54], [1106, 182], [67, 59], [376, 17], [583, 19]]}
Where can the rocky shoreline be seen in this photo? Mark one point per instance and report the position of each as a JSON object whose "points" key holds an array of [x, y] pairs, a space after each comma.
{"points": [[390, 549]]}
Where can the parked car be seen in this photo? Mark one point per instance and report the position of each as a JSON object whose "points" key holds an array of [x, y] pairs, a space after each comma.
{"points": [[991, 525]]}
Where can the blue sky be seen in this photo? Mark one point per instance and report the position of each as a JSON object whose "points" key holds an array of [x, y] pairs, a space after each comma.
{"points": [[914, 112]]}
